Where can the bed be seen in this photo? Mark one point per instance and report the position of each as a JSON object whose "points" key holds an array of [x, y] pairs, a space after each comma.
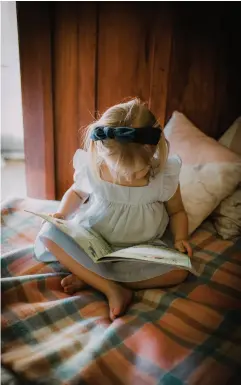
{"points": [[179, 58], [189, 334]]}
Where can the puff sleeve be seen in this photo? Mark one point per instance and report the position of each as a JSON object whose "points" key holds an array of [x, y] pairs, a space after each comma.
{"points": [[170, 179], [81, 178]]}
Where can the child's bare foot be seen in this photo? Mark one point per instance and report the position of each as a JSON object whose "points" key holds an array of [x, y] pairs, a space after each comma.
{"points": [[119, 298], [72, 283]]}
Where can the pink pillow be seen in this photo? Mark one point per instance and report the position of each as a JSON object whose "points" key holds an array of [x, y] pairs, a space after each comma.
{"points": [[210, 172]]}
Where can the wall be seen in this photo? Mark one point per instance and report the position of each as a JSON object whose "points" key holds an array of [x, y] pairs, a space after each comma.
{"points": [[11, 103], [181, 56]]}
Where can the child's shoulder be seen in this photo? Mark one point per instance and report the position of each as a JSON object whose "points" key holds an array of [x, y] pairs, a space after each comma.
{"points": [[170, 177], [172, 166]]}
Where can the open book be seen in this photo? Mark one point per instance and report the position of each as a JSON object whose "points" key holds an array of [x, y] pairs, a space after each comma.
{"points": [[100, 251]]}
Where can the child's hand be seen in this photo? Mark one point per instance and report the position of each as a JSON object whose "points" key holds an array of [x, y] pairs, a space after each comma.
{"points": [[184, 247], [55, 215]]}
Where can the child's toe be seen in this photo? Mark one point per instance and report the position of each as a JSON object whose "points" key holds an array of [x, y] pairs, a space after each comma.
{"points": [[69, 289], [66, 281]]}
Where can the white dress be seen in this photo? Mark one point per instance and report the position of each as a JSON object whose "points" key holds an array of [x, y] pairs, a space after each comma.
{"points": [[123, 215]]}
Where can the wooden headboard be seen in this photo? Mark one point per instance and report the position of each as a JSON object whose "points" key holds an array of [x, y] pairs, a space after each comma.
{"points": [[78, 58]]}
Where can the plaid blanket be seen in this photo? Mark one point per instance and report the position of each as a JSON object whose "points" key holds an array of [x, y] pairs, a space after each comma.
{"points": [[190, 334]]}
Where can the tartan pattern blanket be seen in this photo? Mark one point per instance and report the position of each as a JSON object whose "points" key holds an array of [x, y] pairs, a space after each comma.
{"points": [[189, 334]]}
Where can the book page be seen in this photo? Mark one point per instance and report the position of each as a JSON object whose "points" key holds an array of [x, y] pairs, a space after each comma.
{"points": [[91, 242], [157, 254]]}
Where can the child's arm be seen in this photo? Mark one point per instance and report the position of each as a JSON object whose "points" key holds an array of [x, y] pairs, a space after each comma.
{"points": [[179, 222], [69, 203]]}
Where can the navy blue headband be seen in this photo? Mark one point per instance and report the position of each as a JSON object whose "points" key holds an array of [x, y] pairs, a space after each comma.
{"points": [[145, 135]]}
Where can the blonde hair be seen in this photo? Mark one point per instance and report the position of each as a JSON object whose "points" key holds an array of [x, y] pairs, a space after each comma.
{"points": [[123, 158]]}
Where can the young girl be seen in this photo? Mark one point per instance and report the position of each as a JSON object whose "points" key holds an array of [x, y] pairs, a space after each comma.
{"points": [[129, 192]]}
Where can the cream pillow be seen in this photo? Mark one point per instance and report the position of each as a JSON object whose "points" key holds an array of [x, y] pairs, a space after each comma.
{"points": [[232, 137], [210, 172], [227, 216]]}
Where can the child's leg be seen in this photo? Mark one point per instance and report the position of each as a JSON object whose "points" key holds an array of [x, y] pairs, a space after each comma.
{"points": [[118, 296], [174, 277]]}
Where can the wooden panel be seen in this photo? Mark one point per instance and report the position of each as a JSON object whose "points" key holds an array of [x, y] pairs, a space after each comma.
{"points": [[66, 101], [87, 44], [75, 30], [173, 56], [228, 106], [125, 52], [199, 76], [192, 72], [162, 26], [36, 79]]}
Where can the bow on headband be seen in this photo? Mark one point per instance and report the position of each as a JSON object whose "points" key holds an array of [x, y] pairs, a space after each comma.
{"points": [[145, 135]]}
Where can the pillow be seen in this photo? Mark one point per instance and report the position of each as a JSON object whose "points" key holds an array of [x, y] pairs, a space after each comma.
{"points": [[227, 216], [232, 137], [210, 172]]}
